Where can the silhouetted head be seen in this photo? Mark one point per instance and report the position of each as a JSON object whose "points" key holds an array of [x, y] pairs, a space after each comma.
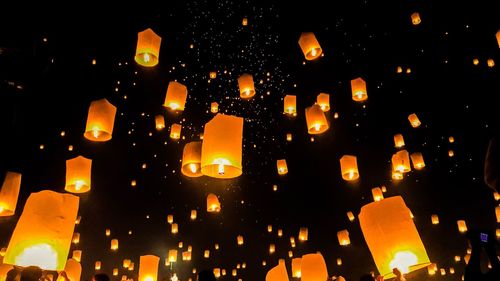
{"points": [[12, 275], [100, 277], [206, 275], [31, 273], [367, 277]]}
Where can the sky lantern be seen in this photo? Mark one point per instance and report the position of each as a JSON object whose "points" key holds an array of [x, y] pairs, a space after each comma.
{"points": [[159, 122], [186, 256], [191, 159], [174, 228], [392, 237], [126, 263], [358, 88], [282, 167], [277, 273], [272, 248], [175, 131], [176, 96], [221, 151], [377, 194], [296, 264], [490, 63], [114, 244], [316, 120], [78, 174], [462, 226], [343, 237], [76, 238], [239, 239], [435, 219], [194, 214], [131, 266], [148, 268], [290, 105], [170, 219], [9, 194], [217, 272], [414, 121], [417, 160], [77, 255], [350, 216], [43, 233], [313, 268], [310, 46], [115, 271], [323, 100], [73, 270], [244, 22], [212, 74], [401, 162], [303, 234], [289, 137], [399, 141], [206, 254], [147, 52], [172, 255], [246, 85], [497, 213], [415, 18], [100, 121], [214, 107], [349, 167], [213, 205]]}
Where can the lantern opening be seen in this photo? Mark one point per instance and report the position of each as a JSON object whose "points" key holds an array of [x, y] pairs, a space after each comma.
{"points": [[41, 255], [221, 162], [148, 278], [193, 167], [403, 260], [1, 209], [146, 57], [79, 184], [173, 105], [95, 132]]}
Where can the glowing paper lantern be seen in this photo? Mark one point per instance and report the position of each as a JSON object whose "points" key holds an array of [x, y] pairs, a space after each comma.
{"points": [[339, 261], [147, 52], [414, 121], [9, 194], [316, 120], [497, 35], [272, 248], [350, 216], [100, 121], [175, 228], [497, 212], [462, 226], [431, 269], [399, 141], [289, 137], [296, 265], [216, 272], [349, 168], [108, 232], [114, 244], [401, 162], [490, 63], [290, 105], [176, 96], [358, 88], [323, 100], [42, 236], [159, 122], [73, 270], [280, 232], [126, 263], [343, 237], [435, 219], [282, 167], [206, 254], [191, 159], [303, 234], [392, 237], [277, 273], [77, 255], [246, 85], [115, 271], [239, 239], [310, 46], [131, 267], [76, 238], [221, 150], [170, 219], [97, 265], [269, 228], [313, 268], [175, 131], [193, 215], [214, 107], [244, 22], [186, 256], [78, 174], [212, 75], [415, 19], [377, 194], [172, 255], [417, 160], [148, 268], [213, 204]]}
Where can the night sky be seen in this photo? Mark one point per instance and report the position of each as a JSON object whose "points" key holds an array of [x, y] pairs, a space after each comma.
{"points": [[47, 81]]}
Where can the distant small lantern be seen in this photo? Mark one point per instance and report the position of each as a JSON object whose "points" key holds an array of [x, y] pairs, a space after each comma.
{"points": [[316, 120], [175, 228], [78, 174], [435, 219], [131, 266], [244, 22], [148, 268], [176, 96], [289, 137], [217, 272], [246, 85], [277, 273], [414, 121], [343, 237], [147, 52], [9, 194], [100, 121], [172, 256], [451, 139], [107, 232], [175, 131], [290, 105], [490, 63], [76, 238], [377, 194], [497, 213], [213, 204], [272, 248], [221, 151], [418, 160], [323, 100], [269, 228], [303, 234], [349, 167], [115, 272], [159, 122], [206, 254], [239, 239], [97, 265], [310, 46], [191, 159], [212, 74], [170, 219], [350, 216], [114, 244], [431, 269], [399, 69], [282, 167], [399, 141], [415, 19], [214, 107], [280, 232], [475, 61], [193, 215], [451, 153], [77, 255], [126, 263], [462, 226], [358, 88], [339, 261], [313, 268], [296, 265], [186, 256]]}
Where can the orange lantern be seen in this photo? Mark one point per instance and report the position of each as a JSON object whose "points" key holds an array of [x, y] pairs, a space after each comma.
{"points": [[176, 96], [73, 270], [497, 213], [186, 256], [269, 228], [296, 265], [148, 268], [313, 268], [414, 121], [212, 74], [392, 237], [350, 216], [222, 147], [246, 85], [214, 107], [213, 204], [490, 63], [497, 35], [108, 232], [193, 214], [377, 194], [339, 261], [418, 160], [358, 88], [114, 244], [115, 271], [282, 167], [239, 239], [100, 121], [159, 122], [310, 46], [172, 255], [126, 263], [349, 168], [277, 273], [191, 159], [76, 238], [415, 18], [435, 219], [343, 237], [43, 233], [147, 52], [206, 254], [303, 234], [175, 131], [131, 267], [77, 255], [323, 100], [316, 120], [290, 105], [97, 265], [244, 22], [78, 174], [280, 232], [431, 269], [289, 137], [401, 162], [462, 226], [272, 248], [399, 141], [170, 219], [9, 193], [216, 272], [175, 228]]}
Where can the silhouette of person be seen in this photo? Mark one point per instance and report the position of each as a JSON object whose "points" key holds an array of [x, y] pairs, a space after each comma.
{"points": [[31, 273]]}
